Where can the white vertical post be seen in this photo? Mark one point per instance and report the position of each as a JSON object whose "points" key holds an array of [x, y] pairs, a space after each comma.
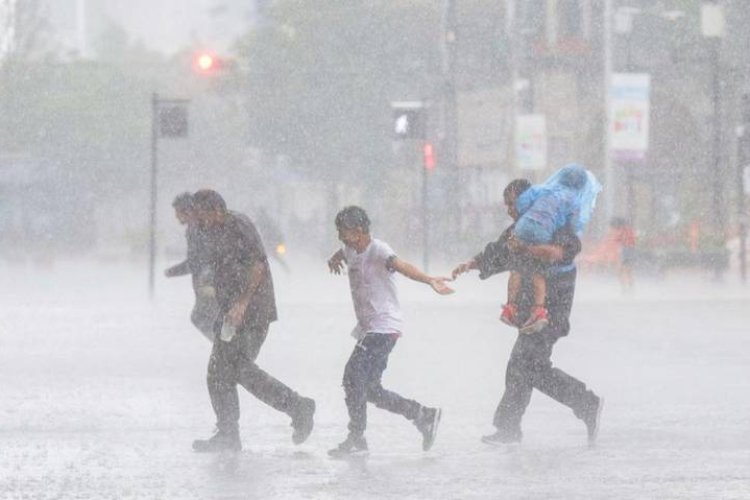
{"points": [[81, 29], [609, 174]]}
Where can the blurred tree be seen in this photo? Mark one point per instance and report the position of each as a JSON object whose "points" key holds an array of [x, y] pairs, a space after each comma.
{"points": [[92, 117], [320, 77], [23, 30]]}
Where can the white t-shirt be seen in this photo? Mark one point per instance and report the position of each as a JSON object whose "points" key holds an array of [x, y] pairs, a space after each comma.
{"points": [[373, 286]]}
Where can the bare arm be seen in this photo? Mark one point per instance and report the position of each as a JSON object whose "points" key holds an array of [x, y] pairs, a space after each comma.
{"points": [[413, 273], [336, 262], [236, 313], [546, 253]]}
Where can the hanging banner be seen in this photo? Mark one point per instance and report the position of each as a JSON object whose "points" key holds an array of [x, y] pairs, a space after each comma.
{"points": [[531, 142], [630, 101]]}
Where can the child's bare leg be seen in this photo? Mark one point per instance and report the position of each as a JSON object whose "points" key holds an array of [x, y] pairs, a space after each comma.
{"points": [[514, 286], [508, 316], [540, 289], [539, 316]]}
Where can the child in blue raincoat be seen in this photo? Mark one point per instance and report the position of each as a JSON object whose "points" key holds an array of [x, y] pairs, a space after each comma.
{"points": [[567, 197]]}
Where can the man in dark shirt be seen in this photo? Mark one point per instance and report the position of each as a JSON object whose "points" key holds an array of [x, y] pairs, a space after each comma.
{"points": [[529, 366], [206, 310], [244, 292]]}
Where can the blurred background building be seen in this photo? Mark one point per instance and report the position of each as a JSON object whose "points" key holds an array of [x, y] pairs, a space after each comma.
{"points": [[297, 114]]}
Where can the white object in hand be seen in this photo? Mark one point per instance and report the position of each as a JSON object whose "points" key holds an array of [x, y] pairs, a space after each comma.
{"points": [[227, 331]]}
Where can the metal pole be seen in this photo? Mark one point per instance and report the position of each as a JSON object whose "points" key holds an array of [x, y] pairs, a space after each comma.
{"points": [[511, 28], [741, 215], [449, 127], [630, 175], [152, 206], [425, 221], [718, 174], [609, 174]]}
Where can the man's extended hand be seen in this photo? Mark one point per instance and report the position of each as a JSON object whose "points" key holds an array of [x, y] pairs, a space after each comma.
{"points": [[463, 268]]}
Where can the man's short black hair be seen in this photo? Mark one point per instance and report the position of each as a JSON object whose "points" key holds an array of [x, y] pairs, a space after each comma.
{"points": [[183, 201], [353, 217], [515, 188], [208, 200]]}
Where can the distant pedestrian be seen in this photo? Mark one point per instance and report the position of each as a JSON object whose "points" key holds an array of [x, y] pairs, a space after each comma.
{"points": [[197, 264], [371, 266], [244, 291], [624, 237], [529, 366]]}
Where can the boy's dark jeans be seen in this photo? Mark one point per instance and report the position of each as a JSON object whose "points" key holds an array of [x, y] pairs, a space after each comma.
{"points": [[233, 363], [362, 382]]}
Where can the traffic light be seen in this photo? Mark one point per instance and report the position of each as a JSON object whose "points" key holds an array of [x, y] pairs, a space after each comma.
{"points": [[409, 120], [428, 156], [207, 63]]}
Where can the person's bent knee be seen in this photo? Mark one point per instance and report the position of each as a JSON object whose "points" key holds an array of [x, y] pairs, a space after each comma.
{"points": [[374, 392]]}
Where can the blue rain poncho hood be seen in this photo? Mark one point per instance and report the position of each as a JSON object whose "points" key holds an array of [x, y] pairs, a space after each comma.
{"points": [[571, 183]]}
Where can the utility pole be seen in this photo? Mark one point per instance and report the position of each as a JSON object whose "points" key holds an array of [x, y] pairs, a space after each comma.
{"points": [[449, 118], [716, 149], [609, 174], [152, 204], [743, 158], [712, 28]]}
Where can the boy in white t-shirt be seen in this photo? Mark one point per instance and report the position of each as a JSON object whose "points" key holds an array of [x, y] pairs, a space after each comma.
{"points": [[371, 268]]}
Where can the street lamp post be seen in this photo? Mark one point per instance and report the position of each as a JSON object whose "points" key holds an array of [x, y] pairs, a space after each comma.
{"points": [[712, 28], [609, 174], [742, 158]]}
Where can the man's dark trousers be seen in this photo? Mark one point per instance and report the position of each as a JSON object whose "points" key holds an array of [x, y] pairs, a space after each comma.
{"points": [[362, 382], [233, 363], [530, 367]]}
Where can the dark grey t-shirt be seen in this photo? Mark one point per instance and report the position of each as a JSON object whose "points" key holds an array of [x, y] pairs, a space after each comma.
{"points": [[236, 247]]}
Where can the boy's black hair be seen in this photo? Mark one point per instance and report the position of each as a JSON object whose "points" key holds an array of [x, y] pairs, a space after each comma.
{"points": [[352, 217], [209, 200], [516, 187], [183, 201]]}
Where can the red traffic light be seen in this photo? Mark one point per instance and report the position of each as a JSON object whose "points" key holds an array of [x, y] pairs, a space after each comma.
{"points": [[206, 63], [428, 156]]}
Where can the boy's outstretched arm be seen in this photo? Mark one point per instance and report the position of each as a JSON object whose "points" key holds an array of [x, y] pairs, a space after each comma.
{"points": [[412, 272], [336, 262]]}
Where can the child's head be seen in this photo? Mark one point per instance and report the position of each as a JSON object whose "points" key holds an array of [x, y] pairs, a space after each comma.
{"points": [[353, 226], [511, 193]]}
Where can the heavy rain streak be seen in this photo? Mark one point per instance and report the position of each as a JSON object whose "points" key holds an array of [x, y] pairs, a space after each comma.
{"points": [[373, 249]]}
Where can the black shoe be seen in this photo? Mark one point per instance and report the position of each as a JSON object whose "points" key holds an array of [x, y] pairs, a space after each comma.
{"points": [[352, 446], [500, 438], [592, 420], [221, 441], [427, 422], [303, 421]]}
